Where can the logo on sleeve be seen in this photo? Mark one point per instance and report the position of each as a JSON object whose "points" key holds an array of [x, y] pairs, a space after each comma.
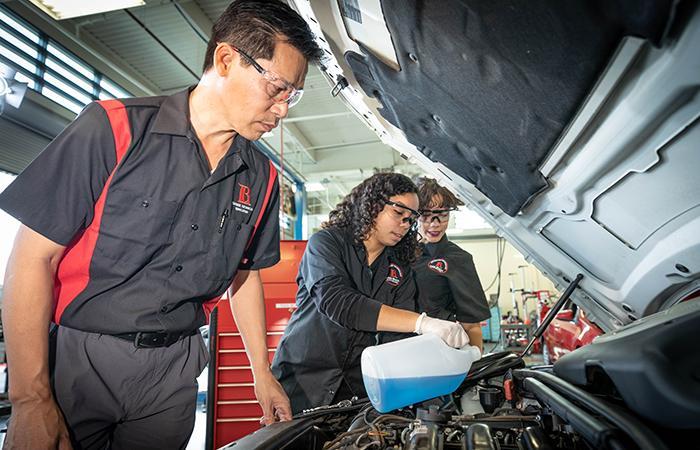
{"points": [[395, 275], [438, 265], [243, 202]]}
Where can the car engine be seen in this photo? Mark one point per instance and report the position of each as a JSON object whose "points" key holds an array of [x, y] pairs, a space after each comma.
{"points": [[520, 410], [440, 428], [501, 405], [620, 392]]}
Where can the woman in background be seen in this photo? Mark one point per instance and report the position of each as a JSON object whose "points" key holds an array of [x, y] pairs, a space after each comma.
{"points": [[449, 285], [355, 281]]}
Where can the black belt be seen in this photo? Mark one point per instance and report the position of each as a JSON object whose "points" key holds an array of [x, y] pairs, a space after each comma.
{"points": [[148, 339]]}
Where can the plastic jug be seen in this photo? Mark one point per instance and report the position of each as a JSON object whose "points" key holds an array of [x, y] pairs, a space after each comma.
{"points": [[412, 370]]}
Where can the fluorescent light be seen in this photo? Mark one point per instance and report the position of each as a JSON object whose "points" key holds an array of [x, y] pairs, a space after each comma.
{"points": [[314, 187], [66, 9]]}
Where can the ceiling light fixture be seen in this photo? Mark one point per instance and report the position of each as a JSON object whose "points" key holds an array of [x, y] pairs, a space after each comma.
{"points": [[66, 9]]}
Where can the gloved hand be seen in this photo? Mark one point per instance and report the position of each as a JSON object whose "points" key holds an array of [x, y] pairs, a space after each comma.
{"points": [[451, 332], [474, 350]]}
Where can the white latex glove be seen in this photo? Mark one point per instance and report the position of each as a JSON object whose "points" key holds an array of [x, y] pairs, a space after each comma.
{"points": [[451, 332], [474, 350]]}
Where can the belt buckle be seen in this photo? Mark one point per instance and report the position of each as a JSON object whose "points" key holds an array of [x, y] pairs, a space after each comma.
{"points": [[150, 340]]}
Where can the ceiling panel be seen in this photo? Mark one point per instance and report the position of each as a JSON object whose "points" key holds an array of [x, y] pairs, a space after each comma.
{"points": [[125, 37], [319, 132], [213, 9]]}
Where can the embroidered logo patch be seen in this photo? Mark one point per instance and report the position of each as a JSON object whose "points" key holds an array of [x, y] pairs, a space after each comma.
{"points": [[243, 194], [438, 265], [395, 275], [243, 203]]}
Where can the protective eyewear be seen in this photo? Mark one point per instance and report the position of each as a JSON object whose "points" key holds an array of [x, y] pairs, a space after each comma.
{"points": [[411, 219], [279, 90], [428, 215]]}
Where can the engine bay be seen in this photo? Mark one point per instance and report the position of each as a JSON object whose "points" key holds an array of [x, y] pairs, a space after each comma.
{"points": [[578, 403], [525, 423], [502, 405]]}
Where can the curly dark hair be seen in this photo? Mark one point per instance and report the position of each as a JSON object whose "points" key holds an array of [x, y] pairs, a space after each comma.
{"points": [[359, 209]]}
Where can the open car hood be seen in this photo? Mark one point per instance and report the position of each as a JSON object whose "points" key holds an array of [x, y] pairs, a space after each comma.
{"points": [[572, 127]]}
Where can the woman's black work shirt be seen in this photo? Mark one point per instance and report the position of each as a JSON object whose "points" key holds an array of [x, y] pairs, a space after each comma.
{"points": [[339, 298], [449, 285]]}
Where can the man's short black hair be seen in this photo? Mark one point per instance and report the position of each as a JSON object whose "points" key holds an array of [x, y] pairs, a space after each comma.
{"points": [[254, 26]]}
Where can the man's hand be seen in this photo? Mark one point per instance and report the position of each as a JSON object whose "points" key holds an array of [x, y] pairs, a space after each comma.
{"points": [[272, 398], [451, 332], [37, 425], [248, 308]]}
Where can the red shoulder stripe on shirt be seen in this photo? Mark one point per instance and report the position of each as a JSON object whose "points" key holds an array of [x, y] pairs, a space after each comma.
{"points": [[271, 179], [73, 274]]}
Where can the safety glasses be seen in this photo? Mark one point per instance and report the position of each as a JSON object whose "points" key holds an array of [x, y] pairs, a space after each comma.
{"points": [[428, 215], [279, 90], [412, 217]]}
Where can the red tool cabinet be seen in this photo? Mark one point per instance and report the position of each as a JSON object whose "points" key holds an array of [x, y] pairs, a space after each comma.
{"points": [[232, 410]]}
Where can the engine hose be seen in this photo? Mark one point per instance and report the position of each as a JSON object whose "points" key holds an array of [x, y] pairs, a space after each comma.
{"points": [[597, 433], [532, 438], [478, 437], [489, 369], [636, 430]]}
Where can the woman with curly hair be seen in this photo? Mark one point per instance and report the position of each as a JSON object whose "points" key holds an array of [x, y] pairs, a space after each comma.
{"points": [[451, 289], [356, 289]]}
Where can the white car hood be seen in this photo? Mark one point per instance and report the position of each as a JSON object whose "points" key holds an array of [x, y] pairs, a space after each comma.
{"points": [[575, 136]]}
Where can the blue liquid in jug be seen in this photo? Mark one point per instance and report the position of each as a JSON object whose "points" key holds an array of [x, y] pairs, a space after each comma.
{"points": [[388, 394]]}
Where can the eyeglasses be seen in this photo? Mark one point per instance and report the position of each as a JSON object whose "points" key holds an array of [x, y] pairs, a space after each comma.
{"points": [[411, 219], [428, 215], [279, 90]]}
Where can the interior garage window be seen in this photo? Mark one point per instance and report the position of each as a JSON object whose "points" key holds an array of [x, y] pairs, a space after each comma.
{"points": [[72, 63], [49, 68], [18, 48], [68, 72], [15, 25], [111, 90]]}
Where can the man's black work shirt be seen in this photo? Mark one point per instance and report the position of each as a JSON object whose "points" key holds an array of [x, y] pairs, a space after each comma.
{"points": [[338, 302], [151, 232], [449, 285]]}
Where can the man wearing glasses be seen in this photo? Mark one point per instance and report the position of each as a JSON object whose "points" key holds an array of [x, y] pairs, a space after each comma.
{"points": [[454, 291], [135, 220]]}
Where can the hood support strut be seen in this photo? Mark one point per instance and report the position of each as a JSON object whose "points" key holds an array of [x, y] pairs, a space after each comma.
{"points": [[552, 313]]}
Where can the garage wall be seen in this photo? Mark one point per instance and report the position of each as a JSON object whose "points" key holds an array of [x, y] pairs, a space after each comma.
{"points": [[484, 253], [26, 131], [18, 146]]}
